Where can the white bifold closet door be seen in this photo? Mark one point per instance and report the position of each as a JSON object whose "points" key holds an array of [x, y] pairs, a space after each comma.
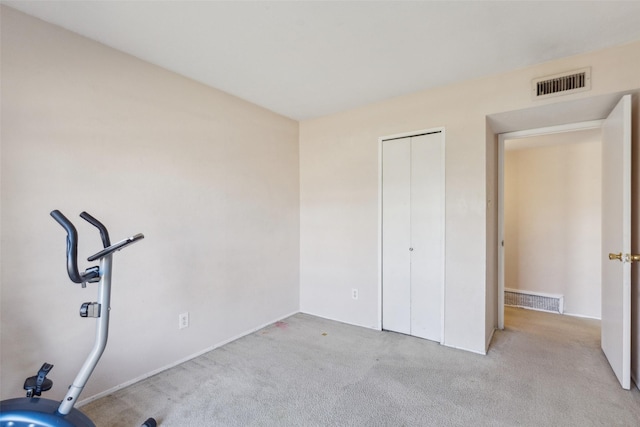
{"points": [[413, 235]]}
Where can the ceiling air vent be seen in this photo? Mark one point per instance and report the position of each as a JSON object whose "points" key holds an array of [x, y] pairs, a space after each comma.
{"points": [[562, 84]]}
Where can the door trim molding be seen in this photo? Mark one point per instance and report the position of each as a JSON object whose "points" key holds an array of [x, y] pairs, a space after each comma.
{"points": [[444, 231]]}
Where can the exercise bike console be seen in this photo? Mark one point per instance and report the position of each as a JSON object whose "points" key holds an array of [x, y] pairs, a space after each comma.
{"points": [[116, 247]]}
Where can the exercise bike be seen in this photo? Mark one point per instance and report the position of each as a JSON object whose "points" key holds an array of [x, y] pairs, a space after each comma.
{"points": [[33, 411]]}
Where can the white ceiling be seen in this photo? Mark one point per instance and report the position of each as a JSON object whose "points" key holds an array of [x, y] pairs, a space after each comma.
{"points": [[305, 59]]}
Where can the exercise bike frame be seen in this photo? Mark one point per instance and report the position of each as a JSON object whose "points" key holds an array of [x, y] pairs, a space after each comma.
{"points": [[102, 324], [45, 412]]}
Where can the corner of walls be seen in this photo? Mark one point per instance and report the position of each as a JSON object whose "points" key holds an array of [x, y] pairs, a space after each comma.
{"points": [[491, 295]]}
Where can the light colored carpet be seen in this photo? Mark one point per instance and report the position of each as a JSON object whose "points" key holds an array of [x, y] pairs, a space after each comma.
{"points": [[542, 370]]}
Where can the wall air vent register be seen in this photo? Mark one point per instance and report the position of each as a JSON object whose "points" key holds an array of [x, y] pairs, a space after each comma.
{"points": [[534, 300], [562, 84]]}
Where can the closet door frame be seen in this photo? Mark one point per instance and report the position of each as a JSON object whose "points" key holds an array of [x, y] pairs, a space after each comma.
{"points": [[380, 224]]}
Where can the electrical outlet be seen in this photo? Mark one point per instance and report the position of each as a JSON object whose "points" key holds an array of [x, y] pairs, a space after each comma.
{"points": [[354, 293], [183, 320]]}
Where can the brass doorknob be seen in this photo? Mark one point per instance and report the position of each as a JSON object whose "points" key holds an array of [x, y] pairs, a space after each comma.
{"points": [[616, 256], [625, 258]]}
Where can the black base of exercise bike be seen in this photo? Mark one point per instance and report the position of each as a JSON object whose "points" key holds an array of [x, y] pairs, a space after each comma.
{"points": [[33, 411]]}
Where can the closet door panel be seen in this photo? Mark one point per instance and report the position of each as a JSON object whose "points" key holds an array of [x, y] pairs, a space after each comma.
{"points": [[427, 222], [396, 199]]}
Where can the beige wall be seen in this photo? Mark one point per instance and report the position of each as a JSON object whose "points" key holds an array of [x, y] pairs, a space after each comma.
{"points": [[211, 180], [339, 183], [553, 218]]}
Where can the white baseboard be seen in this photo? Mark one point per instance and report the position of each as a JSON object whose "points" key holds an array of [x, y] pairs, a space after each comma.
{"points": [[633, 378], [178, 362], [488, 343], [375, 328], [483, 353], [581, 316]]}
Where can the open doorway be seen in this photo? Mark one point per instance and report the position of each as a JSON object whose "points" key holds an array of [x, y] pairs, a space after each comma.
{"points": [[617, 306], [544, 165], [552, 222]]}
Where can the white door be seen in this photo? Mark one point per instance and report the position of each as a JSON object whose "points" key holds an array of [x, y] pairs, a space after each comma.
{"points": [[427, 236], [396, 235], [616, 240], [413, 235]]}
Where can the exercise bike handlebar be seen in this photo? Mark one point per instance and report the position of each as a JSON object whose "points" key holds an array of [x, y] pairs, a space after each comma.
{"points": [[104, 234], [72, 249], [72, 245]]}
